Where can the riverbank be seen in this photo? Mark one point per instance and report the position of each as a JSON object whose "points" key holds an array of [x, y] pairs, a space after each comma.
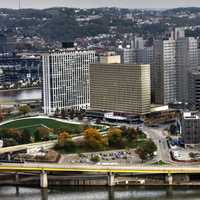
{"points": [[92, 179]]}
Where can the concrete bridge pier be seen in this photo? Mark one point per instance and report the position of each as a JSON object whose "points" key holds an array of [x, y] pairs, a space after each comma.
{"points": [[17, 179], [111, 179], [43, 180], [169, 179], [44, 194]]}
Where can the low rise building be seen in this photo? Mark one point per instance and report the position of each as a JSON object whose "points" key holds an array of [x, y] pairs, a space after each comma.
{"points": [[190, 128]]}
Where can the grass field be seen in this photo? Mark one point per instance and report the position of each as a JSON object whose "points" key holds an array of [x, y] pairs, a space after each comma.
{"points": [[33, 124]]}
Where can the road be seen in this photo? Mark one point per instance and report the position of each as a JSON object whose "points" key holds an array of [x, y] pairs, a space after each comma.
{"points": [[151, 169], [156, 134]]}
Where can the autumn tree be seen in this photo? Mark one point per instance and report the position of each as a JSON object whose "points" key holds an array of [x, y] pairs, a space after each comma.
{"points": [[62, 138], [24, 109], [42, 134], [93, 139], [115, 137]]}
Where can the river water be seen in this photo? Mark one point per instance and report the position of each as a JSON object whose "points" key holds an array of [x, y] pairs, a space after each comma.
{"points": [[101, 193], [13, 95]]}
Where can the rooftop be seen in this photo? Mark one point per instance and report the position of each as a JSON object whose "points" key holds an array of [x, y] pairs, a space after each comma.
{"points": [[191, 115]]}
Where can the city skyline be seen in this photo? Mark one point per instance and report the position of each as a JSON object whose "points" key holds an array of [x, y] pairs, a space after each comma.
{"points": [[155, 4]]}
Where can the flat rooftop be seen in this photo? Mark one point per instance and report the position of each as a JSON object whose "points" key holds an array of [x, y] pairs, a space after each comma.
{"points": [[191, 115]]}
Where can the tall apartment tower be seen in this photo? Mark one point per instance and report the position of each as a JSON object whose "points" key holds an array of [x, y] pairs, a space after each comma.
{"points": [[66, 79], [139, 42], [164, 72], [120, 88], [128, 55], [194, 88], [178, 32], [186, 60]]}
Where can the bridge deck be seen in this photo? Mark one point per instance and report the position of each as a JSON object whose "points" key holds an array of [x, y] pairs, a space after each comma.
{"points": [[28, 167]]}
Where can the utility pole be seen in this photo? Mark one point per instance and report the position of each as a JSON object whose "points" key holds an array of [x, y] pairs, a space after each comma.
{"points": [[19, 4]]}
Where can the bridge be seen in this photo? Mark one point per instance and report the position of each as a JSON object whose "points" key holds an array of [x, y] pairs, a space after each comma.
{"points": [[44, 169], [44, 145]]}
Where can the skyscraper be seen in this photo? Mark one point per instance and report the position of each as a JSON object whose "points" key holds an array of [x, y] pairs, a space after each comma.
{"points": [[66, 79], [186, 60], [164, 71], [128, 55], [194, 88]]}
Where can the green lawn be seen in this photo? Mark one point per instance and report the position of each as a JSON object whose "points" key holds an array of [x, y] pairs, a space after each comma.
{"points": [[33, 124]]}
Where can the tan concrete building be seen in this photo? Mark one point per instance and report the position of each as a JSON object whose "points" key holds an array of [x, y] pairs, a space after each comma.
{"points": [[120, 87], [110, 58]]}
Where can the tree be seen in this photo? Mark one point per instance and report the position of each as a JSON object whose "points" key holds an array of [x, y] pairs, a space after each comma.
{"points": [[42, 134], [70, 146], [62, 138], [146, 150], [115, 138], [132, 134], [71, 113], [93, 139], [26, 136], [142, 154], [63, 113], [1, 116], [192, 155], [24, 109], [149, 147], [57, 112], [95, 159]]}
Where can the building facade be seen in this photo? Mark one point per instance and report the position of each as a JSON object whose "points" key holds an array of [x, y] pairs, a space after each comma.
{"points": [[194, 88], [120, 88], [186, 60], [66, 79], [128, 55], [190, 128], [164, 72]]}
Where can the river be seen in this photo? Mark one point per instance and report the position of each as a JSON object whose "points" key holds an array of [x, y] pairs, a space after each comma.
{"points": [[10, 96], [101, 193]]}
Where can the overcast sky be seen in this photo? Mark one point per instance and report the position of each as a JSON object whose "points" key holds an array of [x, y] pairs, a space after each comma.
{"points": [[99, 3]]}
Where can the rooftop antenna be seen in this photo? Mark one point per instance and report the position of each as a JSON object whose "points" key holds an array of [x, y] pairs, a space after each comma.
{"points": [[19, 4]]}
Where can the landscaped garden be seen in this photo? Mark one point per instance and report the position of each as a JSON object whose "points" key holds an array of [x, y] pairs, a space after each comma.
{"points": [[24, 131], [33, 123]]}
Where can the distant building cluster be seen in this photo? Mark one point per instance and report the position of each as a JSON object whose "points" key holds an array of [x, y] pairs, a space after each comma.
{"points": [[127, 79]]}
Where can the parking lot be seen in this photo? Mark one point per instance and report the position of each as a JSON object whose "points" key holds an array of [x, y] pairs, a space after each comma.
{"points": [[105, 157]]}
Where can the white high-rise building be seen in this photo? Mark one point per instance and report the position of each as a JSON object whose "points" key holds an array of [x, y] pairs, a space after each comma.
{"points": [[178, 32], [139, 43], [164, 72], [66, 79], [186, 60]]}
